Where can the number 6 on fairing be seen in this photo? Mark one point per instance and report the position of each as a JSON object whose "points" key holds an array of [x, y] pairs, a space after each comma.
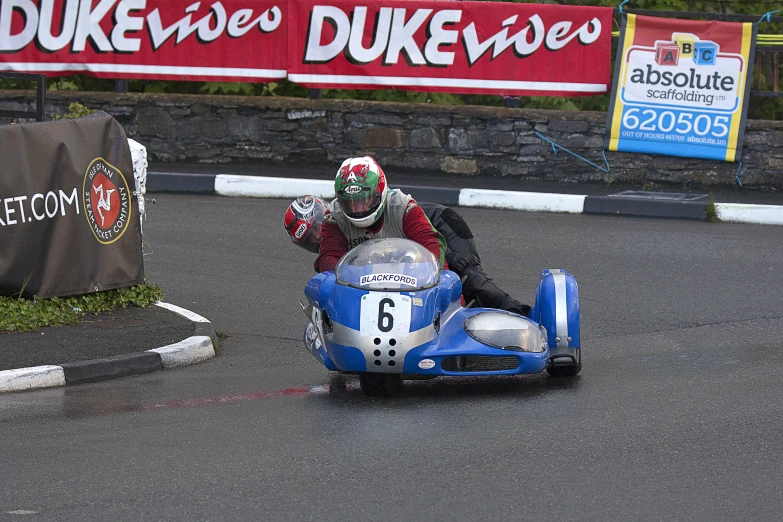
{"points": [[385, 313], [385, 319]]}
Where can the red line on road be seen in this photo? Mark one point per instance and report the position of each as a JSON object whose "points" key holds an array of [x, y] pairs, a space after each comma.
{"points": [[288, 392]]}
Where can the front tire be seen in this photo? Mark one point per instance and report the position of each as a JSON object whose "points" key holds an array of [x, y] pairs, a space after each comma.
{"points": [[379, 384], [566, 370]]}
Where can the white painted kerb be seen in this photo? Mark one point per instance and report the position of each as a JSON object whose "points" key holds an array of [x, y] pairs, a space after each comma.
{"points": [[532, 201], [263, 187], [740, 213], [22, 379], [190, 351], [183, 312]]}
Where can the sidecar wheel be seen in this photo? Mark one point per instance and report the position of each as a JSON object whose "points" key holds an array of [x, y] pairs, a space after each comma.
{"points": [[379, 384], [566, 370]]}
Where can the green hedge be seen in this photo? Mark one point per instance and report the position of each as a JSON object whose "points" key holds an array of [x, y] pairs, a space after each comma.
{"points": [[18, 314]]}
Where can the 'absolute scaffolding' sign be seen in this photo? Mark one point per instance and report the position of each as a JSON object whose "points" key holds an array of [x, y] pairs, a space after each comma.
{"points": [[681, 87]]}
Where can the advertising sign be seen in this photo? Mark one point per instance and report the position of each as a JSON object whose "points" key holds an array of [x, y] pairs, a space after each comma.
{"points": [[228, 40], [681, 87], [68, 220], [460, 47]]}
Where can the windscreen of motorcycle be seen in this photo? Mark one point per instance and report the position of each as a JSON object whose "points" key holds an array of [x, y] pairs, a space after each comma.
{"points": [[389, 264]]}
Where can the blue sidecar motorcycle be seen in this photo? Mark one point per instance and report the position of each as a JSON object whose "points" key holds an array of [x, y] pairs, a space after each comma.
{"points": [[389, 312]]}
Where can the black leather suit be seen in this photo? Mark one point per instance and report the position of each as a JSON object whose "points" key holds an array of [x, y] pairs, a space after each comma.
{"points": [[463, 258]]}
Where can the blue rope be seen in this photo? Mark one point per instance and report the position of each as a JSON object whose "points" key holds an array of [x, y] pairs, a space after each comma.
{"points": [[620, 7], [555, 146], [737, 175], [767, 17]]}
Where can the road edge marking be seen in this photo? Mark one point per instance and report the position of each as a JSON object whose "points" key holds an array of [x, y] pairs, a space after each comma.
{"points": [[33, 377]]}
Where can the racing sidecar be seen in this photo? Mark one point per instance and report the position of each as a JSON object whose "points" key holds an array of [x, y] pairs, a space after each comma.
{"points": [[389, 312]]}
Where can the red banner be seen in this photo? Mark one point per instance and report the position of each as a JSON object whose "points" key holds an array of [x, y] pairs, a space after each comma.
{"points": [[460, 47], [229, 40]]}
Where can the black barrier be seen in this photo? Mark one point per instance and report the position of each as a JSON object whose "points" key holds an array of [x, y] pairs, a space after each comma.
{"points": [[40, 99], [69, 221]]}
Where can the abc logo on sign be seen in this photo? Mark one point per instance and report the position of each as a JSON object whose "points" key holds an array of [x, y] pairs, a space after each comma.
{"points": [[667, 53], [705, 53], [686, 45]]}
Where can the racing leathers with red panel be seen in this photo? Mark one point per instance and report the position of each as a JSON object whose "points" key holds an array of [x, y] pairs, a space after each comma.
{"points": [[402, 218], [304, 222]]}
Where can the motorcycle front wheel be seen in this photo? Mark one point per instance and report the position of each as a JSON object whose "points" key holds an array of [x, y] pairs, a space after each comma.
{"points": [[380, 384]]}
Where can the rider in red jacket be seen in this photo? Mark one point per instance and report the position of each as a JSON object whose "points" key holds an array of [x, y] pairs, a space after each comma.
{"points": [[304, 224], [365, 208]]}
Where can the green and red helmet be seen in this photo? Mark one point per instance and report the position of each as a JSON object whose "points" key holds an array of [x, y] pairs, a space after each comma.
{"points": [[361, 190]]}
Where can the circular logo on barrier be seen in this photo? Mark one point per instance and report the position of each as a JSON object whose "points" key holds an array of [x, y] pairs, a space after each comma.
{"points": [[107, 201]]}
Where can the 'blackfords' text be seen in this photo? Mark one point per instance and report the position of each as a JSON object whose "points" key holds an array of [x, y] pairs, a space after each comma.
{"points": [[388, 278]]}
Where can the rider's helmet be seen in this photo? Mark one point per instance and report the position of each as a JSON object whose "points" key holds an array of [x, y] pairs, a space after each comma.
{"points": [[303, 220], [361, 190]]}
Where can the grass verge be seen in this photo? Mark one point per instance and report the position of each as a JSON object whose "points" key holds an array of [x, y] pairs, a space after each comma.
{"points": [[21, 315], [710, 212]]}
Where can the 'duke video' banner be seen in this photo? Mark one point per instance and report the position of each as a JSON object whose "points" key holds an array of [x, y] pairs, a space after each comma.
{"points": [[68, 219], [460, 47], [681, 87], [228, 40]]}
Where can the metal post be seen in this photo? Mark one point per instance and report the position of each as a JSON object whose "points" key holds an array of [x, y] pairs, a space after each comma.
{"points": [[757, 71], [40, 99], [315, 94], [121, 86]]}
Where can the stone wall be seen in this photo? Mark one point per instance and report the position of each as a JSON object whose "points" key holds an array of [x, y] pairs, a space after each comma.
{"points": [[463, 140]]}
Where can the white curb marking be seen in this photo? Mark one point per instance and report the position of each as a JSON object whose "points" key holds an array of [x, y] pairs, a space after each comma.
{"points": [[190, 351], [181, 311], [266, 187], [532, 201], [21, 379], [263, 187], [742, 213]]}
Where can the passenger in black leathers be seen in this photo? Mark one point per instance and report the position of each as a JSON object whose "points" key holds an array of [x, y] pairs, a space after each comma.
{"points": [[303, 220], [463, 258]]}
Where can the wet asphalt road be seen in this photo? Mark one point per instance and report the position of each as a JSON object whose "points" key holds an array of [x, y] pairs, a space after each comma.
{"points": [[676, 415]]}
